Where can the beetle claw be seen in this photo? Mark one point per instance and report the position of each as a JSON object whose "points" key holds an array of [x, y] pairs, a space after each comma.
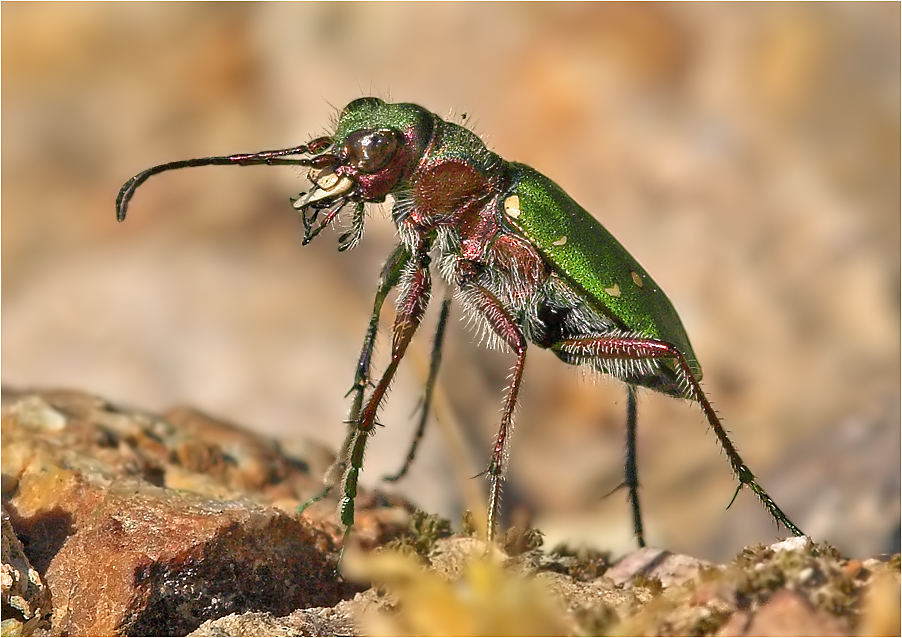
{"points": [[735, 494]]}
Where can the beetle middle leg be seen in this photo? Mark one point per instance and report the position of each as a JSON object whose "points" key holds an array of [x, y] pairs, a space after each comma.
{"points": [[630, 466], [626, 348]]}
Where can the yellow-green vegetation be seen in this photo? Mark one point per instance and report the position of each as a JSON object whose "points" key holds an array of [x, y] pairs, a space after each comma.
{"points": [[440, 585], [485, 600], [422, 533], [581, 563], [816, 572]]}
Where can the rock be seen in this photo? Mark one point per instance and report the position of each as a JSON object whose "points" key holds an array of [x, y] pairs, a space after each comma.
{"points": [[155, 567], [142, 527], [791, 544], [785, 614], [649, 562], [318, 621], [26, 600], [881, 606]]}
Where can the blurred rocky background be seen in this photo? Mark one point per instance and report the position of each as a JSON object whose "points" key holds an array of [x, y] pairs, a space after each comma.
{"points": [[747, 155]]}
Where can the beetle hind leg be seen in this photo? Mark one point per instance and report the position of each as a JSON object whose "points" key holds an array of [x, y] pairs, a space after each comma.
{"points": [[633, 348], [502, 324], [630, 467]]}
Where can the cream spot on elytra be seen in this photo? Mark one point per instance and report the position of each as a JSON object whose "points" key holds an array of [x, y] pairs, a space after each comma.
{"points": [[614, 290], [637, 278], [512, 206], [560, 242]]}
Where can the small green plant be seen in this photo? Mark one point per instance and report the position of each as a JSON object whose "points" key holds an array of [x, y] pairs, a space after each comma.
{"points": [[422, 533]]}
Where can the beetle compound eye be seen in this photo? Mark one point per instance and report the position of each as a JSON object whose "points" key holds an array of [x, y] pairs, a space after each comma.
{"points": [[370, 150]]}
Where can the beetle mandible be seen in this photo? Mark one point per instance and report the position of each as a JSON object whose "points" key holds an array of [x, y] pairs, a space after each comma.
{"points": [[520, 255]]}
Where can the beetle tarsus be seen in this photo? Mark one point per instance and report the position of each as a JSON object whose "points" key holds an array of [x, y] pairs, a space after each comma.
{"points": [[735, 494], [315, 498]]}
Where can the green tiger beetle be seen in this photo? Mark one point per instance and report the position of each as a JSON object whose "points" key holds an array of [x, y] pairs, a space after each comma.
{"points": [[522, 258]]}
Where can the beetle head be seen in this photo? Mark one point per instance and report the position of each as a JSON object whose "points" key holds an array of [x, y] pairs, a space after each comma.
{"points": [[375, 148]]}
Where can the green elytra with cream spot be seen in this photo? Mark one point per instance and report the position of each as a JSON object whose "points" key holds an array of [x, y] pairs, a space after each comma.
{"points": [[593, 259], [526, 261]]}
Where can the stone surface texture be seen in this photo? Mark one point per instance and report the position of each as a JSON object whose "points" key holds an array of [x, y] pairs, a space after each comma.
{"points": [[144, 524], [26, 600]]}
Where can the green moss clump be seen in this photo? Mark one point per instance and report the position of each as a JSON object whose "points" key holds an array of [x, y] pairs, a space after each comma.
{"points": [[582, 563], [653, 585], [816, 572], [519, 541], [422, 533], [595, 620], [468, 525]]}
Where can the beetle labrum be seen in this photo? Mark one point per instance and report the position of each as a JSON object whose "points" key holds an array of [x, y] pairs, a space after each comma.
{"points": [[524, 259]]}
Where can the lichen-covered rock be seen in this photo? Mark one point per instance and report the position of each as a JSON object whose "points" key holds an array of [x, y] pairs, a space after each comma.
{"points": [[26, 600]]}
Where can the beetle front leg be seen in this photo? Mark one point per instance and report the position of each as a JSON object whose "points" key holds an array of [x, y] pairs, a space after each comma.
{"points": [[388, 279], [391, 274], [501, 322], [435, 361], [643, 349], [411, 307]]}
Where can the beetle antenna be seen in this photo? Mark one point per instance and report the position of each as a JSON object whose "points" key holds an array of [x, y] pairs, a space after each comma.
{"points": [[275, 157]]}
